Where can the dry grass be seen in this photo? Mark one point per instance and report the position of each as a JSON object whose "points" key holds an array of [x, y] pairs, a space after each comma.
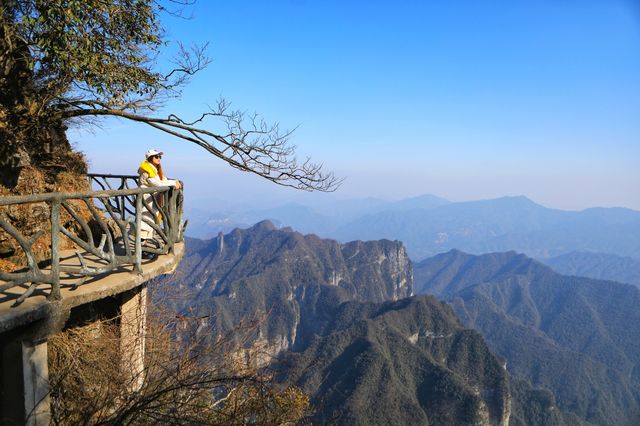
{"points": [[184, 381]]}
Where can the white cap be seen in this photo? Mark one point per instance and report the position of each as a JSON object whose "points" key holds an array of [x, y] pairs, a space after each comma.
{"points": [[153, 152]]}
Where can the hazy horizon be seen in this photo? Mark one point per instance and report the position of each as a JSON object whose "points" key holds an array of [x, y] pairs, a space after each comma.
{"points": [[268, 201]]}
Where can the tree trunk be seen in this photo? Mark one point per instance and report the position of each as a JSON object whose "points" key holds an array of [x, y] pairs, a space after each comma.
{"points": [[12, 160]]}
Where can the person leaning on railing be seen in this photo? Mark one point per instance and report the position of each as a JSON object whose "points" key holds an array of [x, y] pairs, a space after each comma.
{"points": [[151, 174]]}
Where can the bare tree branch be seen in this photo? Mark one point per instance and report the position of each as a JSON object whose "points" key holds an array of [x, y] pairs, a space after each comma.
{"points": [[250, 144]]}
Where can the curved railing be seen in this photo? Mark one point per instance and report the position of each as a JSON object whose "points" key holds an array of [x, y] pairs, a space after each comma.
{"points": [[109, 223]]}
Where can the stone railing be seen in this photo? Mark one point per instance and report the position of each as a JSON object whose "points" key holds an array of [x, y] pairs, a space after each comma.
{"points": [[101, 229]]}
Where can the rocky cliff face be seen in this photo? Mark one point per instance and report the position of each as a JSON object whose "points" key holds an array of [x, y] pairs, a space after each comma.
{"points": [[267, 272]]}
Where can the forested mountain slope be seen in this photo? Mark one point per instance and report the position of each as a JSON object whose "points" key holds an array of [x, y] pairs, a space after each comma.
{"points": [[577, 337], [404, 362]]}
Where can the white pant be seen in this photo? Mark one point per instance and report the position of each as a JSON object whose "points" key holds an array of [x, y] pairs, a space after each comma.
{"points": [[146, 231]]}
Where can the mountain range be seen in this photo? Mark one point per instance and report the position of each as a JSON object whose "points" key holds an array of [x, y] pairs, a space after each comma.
{"points": [[515, 343], [576, 337], [429, 225]]}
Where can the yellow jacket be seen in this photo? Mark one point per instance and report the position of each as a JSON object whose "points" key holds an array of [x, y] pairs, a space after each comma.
{"points": [[148, 168]]}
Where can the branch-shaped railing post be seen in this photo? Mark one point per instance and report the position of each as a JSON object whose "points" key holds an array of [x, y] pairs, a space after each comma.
{"points": [[55, 250], [109, 237], [138, 236], [171, 202]]}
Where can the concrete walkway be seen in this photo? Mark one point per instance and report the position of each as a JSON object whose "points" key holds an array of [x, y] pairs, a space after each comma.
{"points": [[37, 306]]}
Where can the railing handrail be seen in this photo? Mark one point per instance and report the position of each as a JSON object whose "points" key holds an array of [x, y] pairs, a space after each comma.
{"points": [[135, 177], [62, 196]]}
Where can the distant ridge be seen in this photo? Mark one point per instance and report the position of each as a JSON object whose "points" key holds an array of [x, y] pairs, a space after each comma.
{"points": [[507, 223], [429, 225], [602, 266]]}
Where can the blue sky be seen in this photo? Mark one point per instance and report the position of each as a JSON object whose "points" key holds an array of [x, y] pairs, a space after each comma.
{"points": [[465, 100]]}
